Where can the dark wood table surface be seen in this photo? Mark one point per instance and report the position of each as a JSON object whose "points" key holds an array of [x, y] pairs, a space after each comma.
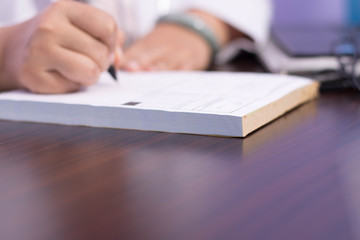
{"points": [[296, 178]]}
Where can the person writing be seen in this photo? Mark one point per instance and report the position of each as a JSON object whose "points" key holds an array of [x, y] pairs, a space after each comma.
{"points": [[67, 45]]}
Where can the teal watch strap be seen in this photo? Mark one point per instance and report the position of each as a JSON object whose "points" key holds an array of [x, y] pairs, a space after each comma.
{"points": [[197, 25]]}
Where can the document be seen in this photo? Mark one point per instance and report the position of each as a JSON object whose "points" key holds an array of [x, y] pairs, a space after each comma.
{"points": [[210, 103]]}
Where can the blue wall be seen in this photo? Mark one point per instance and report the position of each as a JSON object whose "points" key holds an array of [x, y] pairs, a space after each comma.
{"points": [[311, 12]]}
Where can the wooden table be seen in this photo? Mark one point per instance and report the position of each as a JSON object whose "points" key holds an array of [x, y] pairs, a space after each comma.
{"points": [[296, 178]]}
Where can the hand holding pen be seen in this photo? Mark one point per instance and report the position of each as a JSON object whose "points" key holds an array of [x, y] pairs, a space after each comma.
{"points": [[64, 48], [117, 55]]}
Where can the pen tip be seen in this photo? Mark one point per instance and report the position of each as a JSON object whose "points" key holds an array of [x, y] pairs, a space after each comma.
{"points": [[112, 72]]}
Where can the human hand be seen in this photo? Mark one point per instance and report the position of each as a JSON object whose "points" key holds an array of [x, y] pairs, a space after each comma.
{"points": [[168, 47], [60, 50]]}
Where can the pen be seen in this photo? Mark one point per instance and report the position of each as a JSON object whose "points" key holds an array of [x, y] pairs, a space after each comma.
{"points": [[111, 69], [112, 72]]}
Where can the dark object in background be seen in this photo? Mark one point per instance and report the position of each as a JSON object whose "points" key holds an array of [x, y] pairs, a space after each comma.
{"points": [[342, 43]]}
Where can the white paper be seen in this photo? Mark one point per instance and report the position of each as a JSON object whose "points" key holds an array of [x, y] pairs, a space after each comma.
{"points": [[224, 93]]}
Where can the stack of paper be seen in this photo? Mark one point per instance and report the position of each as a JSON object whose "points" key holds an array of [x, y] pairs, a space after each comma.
{"points": [[216, 103]]}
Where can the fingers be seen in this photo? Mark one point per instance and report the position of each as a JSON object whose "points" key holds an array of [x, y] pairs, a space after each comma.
{"points": [[168, 47], [66, 47], [119, 55], [56, 83], [74, 66], [139, 58], [153, 60], [172, 57], [102, 28], [81, 42], [96, 23], [63, 71], [52, 82]]}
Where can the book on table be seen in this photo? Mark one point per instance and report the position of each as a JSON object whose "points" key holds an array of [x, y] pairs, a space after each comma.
{"points": [[309, 50], [206, 103]]}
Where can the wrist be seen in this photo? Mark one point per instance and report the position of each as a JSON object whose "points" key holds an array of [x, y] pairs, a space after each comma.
{"points": [[198, 26], [220, 29]]}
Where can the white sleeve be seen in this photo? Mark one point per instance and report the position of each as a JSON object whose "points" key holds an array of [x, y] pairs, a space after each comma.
{"points": [[16, 11], [252, 17]]}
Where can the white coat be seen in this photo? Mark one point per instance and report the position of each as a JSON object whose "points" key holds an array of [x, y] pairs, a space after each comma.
{"points": [[137, 17]]}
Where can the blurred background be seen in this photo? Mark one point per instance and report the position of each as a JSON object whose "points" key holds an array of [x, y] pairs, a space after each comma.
{"points": [[316, 12]]}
